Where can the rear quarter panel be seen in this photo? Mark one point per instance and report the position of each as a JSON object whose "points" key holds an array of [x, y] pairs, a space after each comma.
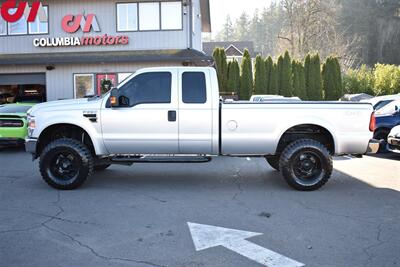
{"points": [[255, 129]]}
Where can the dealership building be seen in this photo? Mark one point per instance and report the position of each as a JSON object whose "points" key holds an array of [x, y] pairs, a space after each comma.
{"points": [[75, 49]]}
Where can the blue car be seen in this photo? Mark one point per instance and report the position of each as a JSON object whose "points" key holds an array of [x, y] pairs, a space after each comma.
{"points": [[386, 119]]}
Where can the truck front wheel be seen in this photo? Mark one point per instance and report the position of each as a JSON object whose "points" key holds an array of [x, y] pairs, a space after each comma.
{"points": [[306, 165], [65, 164]]}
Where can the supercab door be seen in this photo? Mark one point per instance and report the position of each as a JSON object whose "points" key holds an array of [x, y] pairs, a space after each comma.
{"points": [[195, 112], [146, 122]]}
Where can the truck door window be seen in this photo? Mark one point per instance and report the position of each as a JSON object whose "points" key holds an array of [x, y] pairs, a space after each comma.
{"points": [[194, 89], [148, 88]]}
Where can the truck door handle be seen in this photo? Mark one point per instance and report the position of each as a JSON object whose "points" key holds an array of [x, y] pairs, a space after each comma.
{"points": [[172, 115]]}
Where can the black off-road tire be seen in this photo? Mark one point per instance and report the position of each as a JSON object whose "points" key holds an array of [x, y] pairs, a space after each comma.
{"points": [[273, 161], [81, 155], [299, 155], [99, 168]]}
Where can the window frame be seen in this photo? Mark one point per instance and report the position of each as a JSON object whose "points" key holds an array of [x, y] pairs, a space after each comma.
{"points": [[47, 28], [131, 105], [6, 26], [161, 17], [85, 75], [137, 16], [159, 14], [8, 34], [205, 88]]}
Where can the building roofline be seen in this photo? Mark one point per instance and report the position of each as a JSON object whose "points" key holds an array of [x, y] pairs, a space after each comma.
{"points": [[184, 55]]}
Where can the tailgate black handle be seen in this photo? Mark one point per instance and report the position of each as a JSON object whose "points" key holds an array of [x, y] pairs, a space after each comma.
{"points": [[172, 115]]}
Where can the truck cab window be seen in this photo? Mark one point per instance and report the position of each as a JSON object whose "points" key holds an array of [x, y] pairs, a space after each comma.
{"points": [[148, 88], [194, 89]]}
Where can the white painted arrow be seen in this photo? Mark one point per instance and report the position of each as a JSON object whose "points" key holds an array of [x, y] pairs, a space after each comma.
{"points": [[208, 236]]}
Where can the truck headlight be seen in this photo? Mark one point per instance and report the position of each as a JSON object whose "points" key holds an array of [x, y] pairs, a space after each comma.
{"points": [[31, 125]]}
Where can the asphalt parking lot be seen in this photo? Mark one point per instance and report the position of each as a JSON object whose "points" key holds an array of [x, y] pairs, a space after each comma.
{"points": [[138, 216]]}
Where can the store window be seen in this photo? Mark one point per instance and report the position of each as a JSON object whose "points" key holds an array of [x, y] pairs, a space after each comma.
{"points": [[19, 27], [22, 27], [127, 17], [84, 85], [38, 27], [171, 15], [149, 16]]}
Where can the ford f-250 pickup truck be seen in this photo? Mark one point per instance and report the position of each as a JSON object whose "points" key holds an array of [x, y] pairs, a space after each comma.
{"points": [[175, 115]]}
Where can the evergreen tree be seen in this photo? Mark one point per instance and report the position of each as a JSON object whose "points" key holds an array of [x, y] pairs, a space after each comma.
{"points": [[233, 76], [331, 79], [242, 28], [295, 78], [260, 79], [279, 70], [273, 80], [338, 79], [269, 64], [222, 68], [302, 82], [285, 75], [228, 31], [315, 91], [246, 79], [307, 75]]}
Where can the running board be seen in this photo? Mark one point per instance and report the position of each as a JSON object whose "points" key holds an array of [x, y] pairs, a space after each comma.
{"points": [[152, 159]]}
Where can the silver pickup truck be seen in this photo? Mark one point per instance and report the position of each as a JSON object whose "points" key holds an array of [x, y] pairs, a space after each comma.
{"points": [[175, 115]]}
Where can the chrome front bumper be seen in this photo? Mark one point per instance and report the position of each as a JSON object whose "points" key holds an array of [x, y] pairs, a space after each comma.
{"points": [[373, 146], [393, 145]]}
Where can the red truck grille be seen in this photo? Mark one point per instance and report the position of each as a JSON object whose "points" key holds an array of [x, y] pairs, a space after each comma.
{"points": [[11, 123]]}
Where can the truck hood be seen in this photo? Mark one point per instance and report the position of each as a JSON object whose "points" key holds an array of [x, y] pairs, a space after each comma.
{"points": [[65, 105]]}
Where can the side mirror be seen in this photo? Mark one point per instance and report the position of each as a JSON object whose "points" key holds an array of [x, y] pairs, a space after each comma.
{"points": [[114, 101]]}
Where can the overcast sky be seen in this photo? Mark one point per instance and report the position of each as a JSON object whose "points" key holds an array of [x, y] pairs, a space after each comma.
{"points": [[221, 8]]}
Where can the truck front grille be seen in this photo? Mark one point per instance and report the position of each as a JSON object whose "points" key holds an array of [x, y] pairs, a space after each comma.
{"points": [[11, 123]]}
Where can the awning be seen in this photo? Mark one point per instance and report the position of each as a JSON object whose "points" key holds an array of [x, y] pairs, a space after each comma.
{"points": [[185, 55]]}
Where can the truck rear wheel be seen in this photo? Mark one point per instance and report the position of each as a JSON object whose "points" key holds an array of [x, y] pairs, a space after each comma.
{"points": [[306, 165], [65, 164], [273, 161]]}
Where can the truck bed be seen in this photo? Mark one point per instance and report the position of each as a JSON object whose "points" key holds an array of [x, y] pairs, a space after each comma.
{"points": [[252, 128]]}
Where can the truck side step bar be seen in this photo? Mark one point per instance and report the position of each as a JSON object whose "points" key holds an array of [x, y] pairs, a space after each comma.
{"points": [[157, 159]]}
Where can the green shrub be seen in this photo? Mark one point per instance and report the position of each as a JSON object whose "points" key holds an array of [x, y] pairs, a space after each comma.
{"points": [[387, 79]]}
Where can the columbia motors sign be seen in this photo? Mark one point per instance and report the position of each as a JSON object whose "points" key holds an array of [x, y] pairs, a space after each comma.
{"points": [[71, 23]]}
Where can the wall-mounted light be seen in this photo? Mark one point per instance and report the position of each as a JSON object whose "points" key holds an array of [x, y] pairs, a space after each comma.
{"points": [[50, 68]]}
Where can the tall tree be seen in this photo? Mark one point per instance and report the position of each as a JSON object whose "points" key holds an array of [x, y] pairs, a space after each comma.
{"points": [[242, 28], [315, 91], [302, 82], [233, 76], [295, 78], [331, 79], [222, 68], [260, 79], [246, 79], [269, 64], [273, 80], [285, 75], [228, 30]]}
